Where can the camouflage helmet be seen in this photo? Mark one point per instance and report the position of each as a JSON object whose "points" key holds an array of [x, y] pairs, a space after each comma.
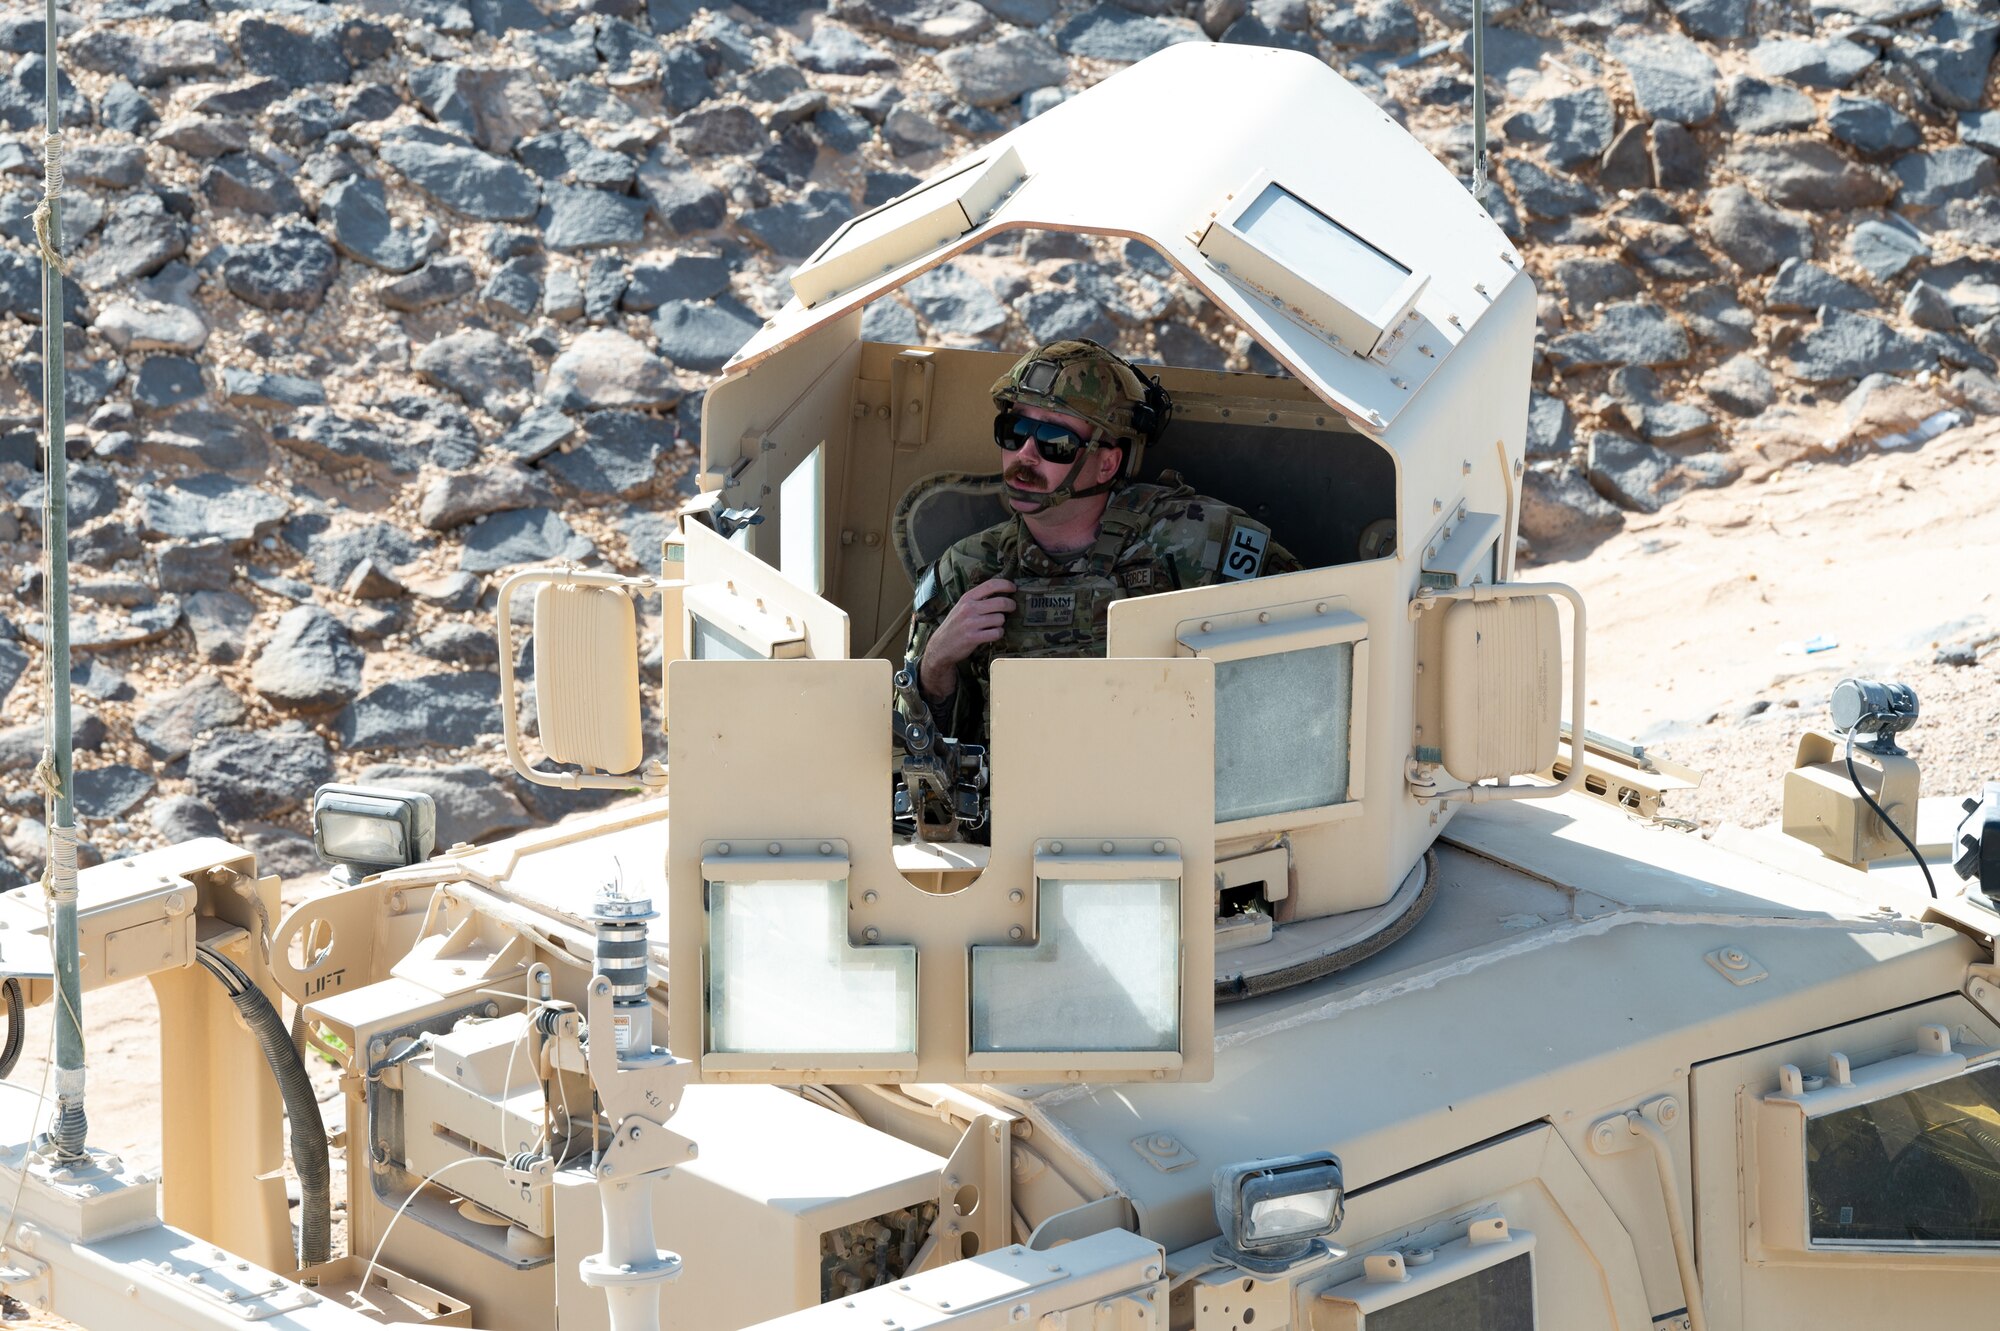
{"points": [[1084, 379]]}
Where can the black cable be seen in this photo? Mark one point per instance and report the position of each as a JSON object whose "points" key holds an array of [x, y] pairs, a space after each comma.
{"points": [[310, 1156], [17, 1026], [1908, 844]]}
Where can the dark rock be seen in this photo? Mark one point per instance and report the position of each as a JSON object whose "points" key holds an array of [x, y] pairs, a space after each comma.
{"points": [[537, 433], [333, 439], [167, 381], [1559, 506], [1672, 78], [247, 774], [1103, 32], [446, 711], [221, 624], [180, 818], [454, 499], [834, 49], [291, 271], [310, 662], [302, 119], [910, 133], [1885, 249], [1972, 286], [21, 746], [1678, 162], [1802, 287], [1717, 20], [1740, 385], [1832, 62], [1551, 429], [139, 238], [460, 644], [1626, 164], [1631, 333], [891, 320], [956, 303], [196, 566], [1545, 194], [1871, 126], [523, 536], [1056, 315], [208, 505], [1755, 235], [1848, 346], [584, 218], [495, 108], [1927, 307], [1640, 477], [681, 199], [110, 792], [841, 130], [690, 277], [567, 53], [204, 136], [464, 179], [91, 492], [1957, 172], [483, 369], [84, 386], [472, 804], [1811, 174], [617, 457], [435, 283], [1577, 126], [335, 555], [1953, 65], [295, 59], [796, 227], [515, 287], [92, 678], [125, 109], [113, 165], [702, 336], [13, 664], [935, 23], [364, 42], [562, 296], [1981, 129], [257, 388], [722, 128], [1752, 106], [1670, 252], [104, 544], [358, 210], [1588, 283], [207, 439]]}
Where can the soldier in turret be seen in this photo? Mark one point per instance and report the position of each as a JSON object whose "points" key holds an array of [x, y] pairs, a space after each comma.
{"points": [[1073, 420]]}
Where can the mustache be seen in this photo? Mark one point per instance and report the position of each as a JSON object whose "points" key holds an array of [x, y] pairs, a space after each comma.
{"points": [[1018, 473]]}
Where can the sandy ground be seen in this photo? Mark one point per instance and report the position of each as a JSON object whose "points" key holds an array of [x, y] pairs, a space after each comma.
{"points": [[1698, 620], [1700, 615]]}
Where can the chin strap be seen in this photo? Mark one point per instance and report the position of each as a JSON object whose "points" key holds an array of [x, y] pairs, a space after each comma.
{"points": [[1037, 501]]}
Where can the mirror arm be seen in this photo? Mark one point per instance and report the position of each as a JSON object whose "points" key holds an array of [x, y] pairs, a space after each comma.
{"points": [[652, 775]]}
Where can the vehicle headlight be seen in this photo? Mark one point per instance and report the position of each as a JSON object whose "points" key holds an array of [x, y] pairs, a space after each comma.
{"points": [[1273, 1212], [371, 828]]}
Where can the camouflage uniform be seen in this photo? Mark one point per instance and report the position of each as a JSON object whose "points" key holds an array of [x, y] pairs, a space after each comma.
{"points": [[1154, 538]]}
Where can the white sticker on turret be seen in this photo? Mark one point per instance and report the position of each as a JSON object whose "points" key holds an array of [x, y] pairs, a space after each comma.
{"points": [[1243, 553]]}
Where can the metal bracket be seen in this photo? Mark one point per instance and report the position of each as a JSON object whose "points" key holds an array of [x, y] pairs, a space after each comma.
{"points": [[1163, 1151], [975, 1195], [1615, 1134], [910, 377], [26, 1279]]}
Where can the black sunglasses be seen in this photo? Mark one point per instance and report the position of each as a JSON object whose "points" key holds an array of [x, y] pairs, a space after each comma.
{"points": [[1056, 443]]}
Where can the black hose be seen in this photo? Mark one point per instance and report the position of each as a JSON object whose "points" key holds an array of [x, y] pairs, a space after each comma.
{"points": [[17, 1026], [309, 1149]]}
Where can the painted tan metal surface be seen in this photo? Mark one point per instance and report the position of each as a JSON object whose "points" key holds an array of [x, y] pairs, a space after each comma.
{"points": [[789, 754]]}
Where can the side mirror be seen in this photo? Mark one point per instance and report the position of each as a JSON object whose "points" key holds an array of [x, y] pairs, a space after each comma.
{"points": [[1499, 690], [586, 678]]}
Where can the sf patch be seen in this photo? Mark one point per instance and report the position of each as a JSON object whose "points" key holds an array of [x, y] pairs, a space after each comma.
{"points": [[1243, 552], [1047, 610]]}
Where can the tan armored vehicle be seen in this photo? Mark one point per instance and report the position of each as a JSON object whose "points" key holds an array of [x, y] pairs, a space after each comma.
{"points": [[1302, 974]]}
